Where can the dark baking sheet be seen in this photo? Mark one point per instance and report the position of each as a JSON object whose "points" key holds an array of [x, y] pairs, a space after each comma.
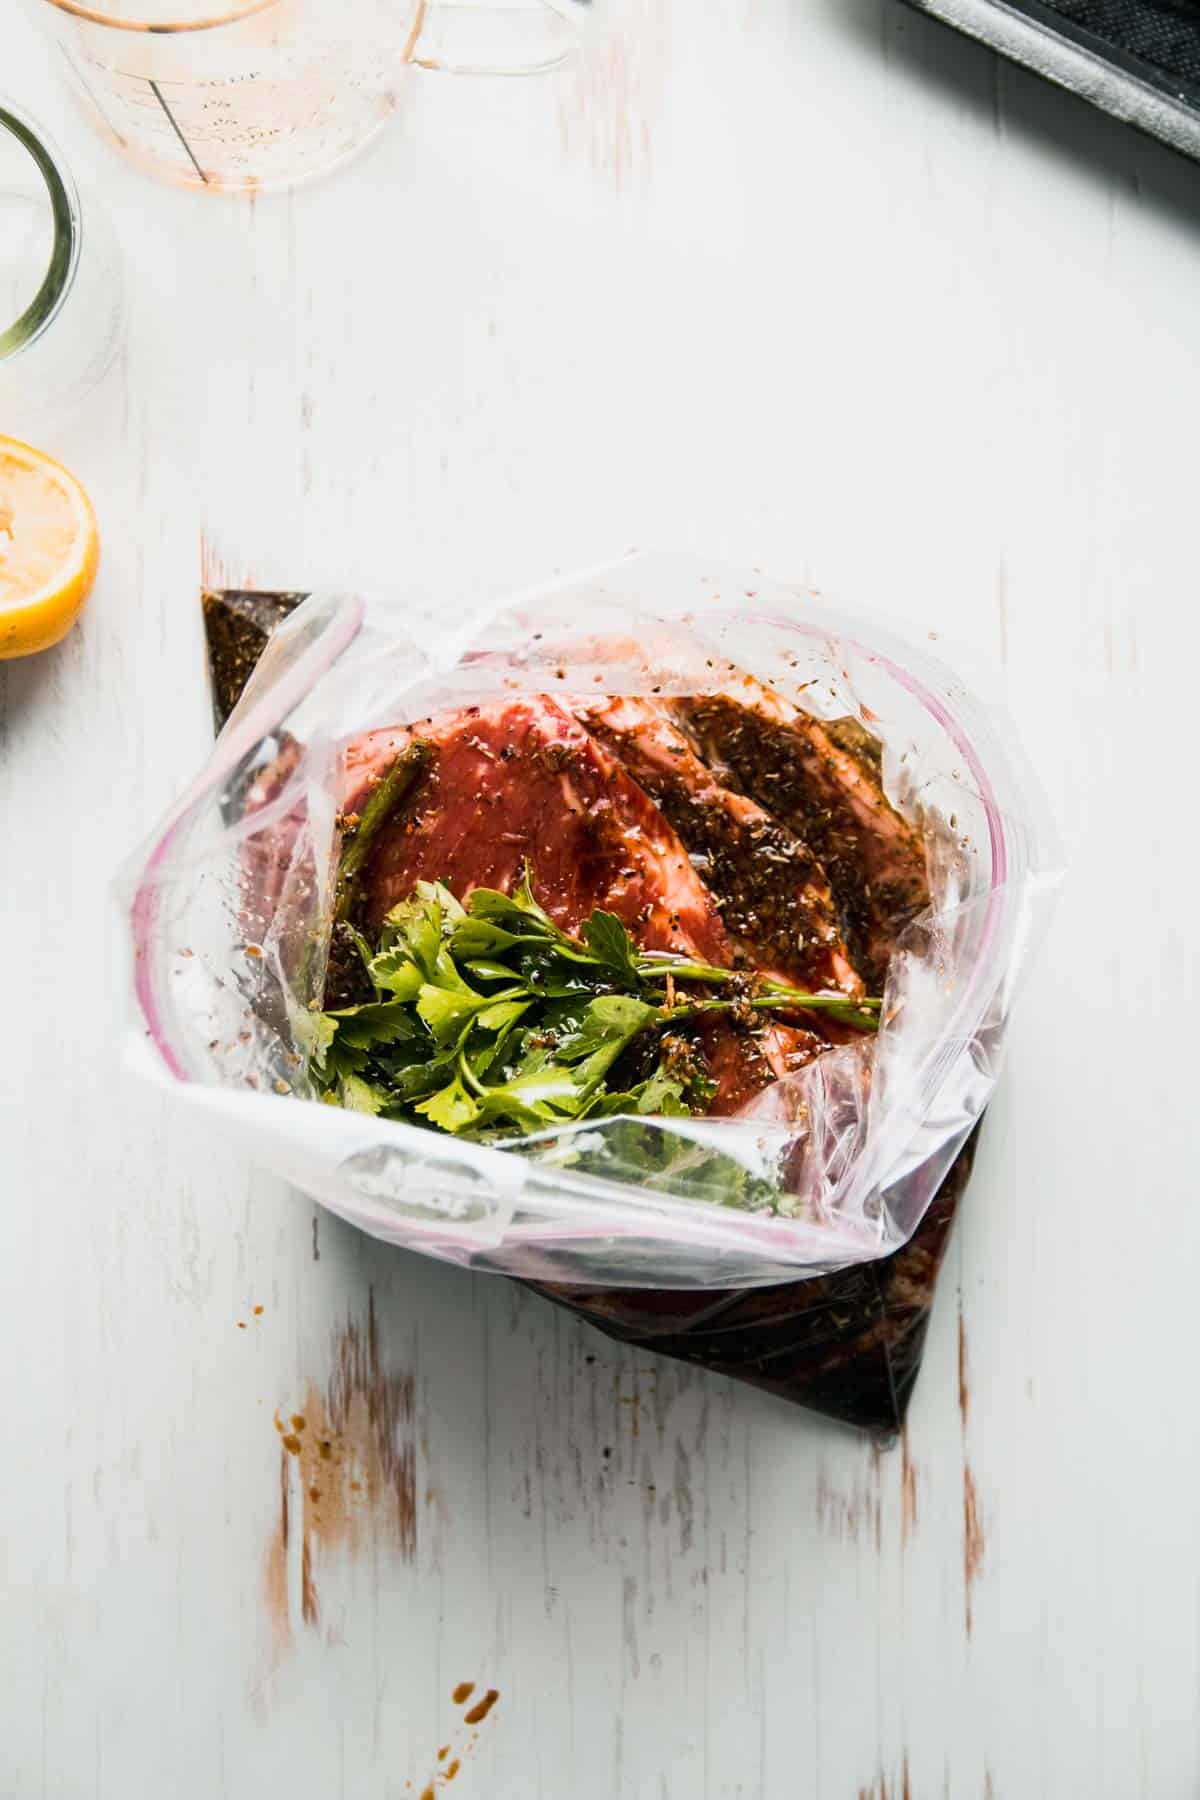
{"points": [[1137, 59]]}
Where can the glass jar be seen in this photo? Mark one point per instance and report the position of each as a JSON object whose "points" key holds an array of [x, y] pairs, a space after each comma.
{"points": [[60, 286]]}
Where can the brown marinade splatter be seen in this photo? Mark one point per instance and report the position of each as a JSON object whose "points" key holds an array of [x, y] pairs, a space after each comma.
{"points": [[483, 1707]]}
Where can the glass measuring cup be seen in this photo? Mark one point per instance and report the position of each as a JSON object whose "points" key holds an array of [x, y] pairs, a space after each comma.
{"points": [[248, 94], [60, 288]]}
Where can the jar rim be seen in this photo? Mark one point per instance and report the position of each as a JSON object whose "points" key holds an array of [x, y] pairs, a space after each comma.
{"points": [[56, 283]]}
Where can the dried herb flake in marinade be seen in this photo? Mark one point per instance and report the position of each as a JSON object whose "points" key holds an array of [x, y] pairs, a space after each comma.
{"points": [[237, 624]]}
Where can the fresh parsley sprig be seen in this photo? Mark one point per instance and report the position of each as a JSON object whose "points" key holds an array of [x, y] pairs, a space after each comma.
{"points": [[488, 1017]]}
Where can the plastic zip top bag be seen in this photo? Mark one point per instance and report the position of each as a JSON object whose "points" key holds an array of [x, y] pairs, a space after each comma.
{"points": [[751, 785]]}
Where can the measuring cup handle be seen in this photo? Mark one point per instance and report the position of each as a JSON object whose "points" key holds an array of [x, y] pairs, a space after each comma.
{"points": [[481, 37]]}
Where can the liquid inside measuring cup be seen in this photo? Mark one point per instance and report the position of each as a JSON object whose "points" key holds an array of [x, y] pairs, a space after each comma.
{"points": [[265, 93]]}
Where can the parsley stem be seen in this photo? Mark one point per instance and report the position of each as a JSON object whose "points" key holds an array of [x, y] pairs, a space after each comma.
{"points": [[862, 1014], [359, 842], [469, 1076], [665, 962]]}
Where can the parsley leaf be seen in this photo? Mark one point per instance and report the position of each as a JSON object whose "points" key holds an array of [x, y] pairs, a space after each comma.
{"points": [[452, 1107], [361, 1096], [490, 1019], [611, 945], [378, 1022], [395, 972]]}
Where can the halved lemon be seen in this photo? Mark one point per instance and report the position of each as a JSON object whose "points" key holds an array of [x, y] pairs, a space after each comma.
{"points": [[49, 548]]}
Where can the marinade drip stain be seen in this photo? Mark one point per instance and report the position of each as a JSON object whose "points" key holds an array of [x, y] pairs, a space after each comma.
{"points": [[347, 1473]]}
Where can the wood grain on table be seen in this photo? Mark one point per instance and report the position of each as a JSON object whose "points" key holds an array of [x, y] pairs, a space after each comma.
{"points": [[808, 283]]}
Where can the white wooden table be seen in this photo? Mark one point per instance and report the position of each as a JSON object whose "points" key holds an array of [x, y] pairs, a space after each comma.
{"points": [[806, 282]]}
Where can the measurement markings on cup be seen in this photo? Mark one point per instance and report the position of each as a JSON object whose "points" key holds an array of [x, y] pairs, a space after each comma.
{"points": [[157, 91], [140, 84]]}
